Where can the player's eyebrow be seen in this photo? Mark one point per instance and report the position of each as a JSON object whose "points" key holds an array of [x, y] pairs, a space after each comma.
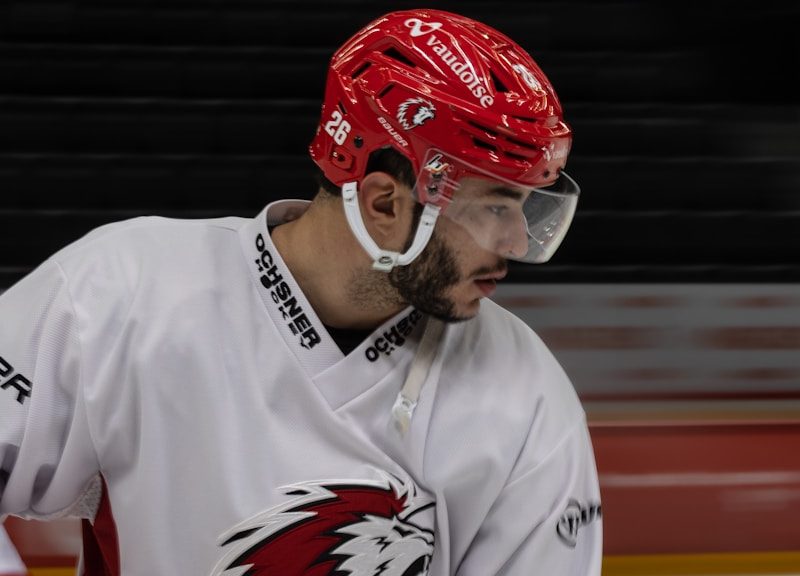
{"points": [[505, 192]]}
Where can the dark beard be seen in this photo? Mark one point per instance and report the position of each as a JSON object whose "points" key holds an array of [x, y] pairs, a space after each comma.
{"points": [[424, 283]]}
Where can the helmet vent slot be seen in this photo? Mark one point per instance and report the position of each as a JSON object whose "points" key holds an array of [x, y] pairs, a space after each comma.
{"points": [[361, 69], [482, 144], [488, 131], [522, 144], [519, 157], [395, 54], [385, 91], [498, 84]]}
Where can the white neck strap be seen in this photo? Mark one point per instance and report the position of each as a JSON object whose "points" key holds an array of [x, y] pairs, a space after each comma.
{"points": [[385, 260], [407, 398]]}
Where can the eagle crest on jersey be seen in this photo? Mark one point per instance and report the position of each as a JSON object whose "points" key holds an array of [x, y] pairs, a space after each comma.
{"points": [[418, 109], [341, 528]]}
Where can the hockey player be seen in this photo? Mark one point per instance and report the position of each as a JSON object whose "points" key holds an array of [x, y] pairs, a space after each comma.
{"points": [[326, 388]]}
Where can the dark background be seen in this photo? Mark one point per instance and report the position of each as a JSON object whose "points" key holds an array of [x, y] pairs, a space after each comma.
{"points": [[686, 120]]}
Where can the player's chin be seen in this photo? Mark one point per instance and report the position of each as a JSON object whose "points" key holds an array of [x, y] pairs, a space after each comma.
{"points": [[453, 310], [454, 318], [470, 311], [465, 309]]}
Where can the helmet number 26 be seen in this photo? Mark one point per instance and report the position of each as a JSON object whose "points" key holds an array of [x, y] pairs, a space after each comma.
{"points": [[337, 127]]}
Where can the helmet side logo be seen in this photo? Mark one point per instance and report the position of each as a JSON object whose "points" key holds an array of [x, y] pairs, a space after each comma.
{"points": [[436, 165], [434, 177], [553, 152], [528, 77], [415, 112], [420, 28]]}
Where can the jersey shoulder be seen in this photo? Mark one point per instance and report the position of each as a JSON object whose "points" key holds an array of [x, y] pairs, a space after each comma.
{"points": [[146, 241], [133, 233], [146, 259], [497, 364], [499, 339]]}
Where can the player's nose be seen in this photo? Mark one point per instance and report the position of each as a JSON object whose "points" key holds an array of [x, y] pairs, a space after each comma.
{"points": [[513, 240]]}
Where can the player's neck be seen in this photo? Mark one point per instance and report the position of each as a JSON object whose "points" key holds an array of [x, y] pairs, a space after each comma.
{"points": [[329, 265]]}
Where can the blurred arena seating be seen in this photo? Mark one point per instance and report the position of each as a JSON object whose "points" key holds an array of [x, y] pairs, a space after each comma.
{"points": [[674, 302]]}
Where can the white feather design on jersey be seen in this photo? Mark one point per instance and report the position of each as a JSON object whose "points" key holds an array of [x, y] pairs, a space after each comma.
{"points": [[386, 546]]}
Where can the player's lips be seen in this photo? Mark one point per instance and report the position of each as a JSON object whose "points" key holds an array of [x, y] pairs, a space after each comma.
{"points": [[494, 276], [487, 283]]}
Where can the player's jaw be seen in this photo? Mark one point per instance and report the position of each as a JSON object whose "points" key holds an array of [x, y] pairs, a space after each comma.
{"points": [[445, 283]]}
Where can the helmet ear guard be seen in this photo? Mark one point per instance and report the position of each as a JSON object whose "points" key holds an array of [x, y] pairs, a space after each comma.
{"points": [[427, 80], [385, 260]]}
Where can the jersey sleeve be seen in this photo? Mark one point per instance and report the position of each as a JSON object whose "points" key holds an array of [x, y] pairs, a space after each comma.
{"points": [[46, 456], [10, 562], [547, 519]]}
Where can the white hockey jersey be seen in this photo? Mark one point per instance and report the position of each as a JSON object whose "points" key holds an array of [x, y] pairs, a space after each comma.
{"points": [[10, 562], [169, 380]]}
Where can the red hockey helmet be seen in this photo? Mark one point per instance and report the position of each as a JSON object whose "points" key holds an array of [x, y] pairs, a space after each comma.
{"points": [[439, 86]]}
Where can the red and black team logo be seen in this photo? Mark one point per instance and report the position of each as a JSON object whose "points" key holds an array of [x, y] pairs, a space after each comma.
{"points": [[335, 528]]}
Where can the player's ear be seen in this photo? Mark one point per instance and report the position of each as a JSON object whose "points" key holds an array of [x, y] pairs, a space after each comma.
{"points": [[386, 206]]}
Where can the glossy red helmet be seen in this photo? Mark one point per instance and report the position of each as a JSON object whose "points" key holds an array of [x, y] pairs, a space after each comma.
{"points": [[429, 82], [422, 79]]}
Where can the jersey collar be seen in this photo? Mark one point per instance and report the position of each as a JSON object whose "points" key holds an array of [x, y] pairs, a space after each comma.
{"points": [[390, 344], [285, 303]]}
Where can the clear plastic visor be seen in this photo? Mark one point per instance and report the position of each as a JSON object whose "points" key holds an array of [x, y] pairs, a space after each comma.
{"points": [[514, 221]]}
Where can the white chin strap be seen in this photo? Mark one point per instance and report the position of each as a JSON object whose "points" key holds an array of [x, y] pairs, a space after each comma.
{"points": [[385, 260]]}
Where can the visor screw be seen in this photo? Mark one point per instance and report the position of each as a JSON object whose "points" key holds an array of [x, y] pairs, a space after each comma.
{"points": [[546, 173], [358, 141]]}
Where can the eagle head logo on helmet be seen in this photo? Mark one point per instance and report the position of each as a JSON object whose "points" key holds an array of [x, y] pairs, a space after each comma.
{"points": [[341, 529], [415, 112]]}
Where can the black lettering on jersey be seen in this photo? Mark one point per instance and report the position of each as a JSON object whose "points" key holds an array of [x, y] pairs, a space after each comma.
{"points": [[403, 327], [5, 368], [575, 516], [281, 294], [310, 339], [302, 323], [394, 337], [12, 381], [291, 308], [271, 277]]}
